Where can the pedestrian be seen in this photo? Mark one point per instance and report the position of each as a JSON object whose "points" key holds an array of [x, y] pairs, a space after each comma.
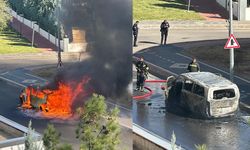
{"points": [[142, 73], [164, 31], [193, 66], [135, 32]]}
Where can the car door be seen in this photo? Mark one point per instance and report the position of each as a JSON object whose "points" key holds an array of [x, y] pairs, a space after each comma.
{"points": [[197, 99], [186, 94]]}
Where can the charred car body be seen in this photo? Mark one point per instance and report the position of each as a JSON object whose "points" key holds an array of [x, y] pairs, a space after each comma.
{"points": [[202, 94], [33, 98]]}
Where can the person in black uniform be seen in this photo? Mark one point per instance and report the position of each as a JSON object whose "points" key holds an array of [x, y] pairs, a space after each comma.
{"points": [[193, 66], [164, 31], [142, 72], [135, 32]]}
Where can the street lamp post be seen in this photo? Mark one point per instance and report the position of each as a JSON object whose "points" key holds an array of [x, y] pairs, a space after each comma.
{"points": [[33, 33], [59, 64], [189, 1], [231, 32]]}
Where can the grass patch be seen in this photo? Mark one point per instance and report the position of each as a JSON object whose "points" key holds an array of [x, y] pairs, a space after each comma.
{"points": [[163, 9], [11, 42]]}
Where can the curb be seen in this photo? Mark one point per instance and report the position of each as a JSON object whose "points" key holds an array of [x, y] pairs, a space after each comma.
{"points": [[196, 24]]}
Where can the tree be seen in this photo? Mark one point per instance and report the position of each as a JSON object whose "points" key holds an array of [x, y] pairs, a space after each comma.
{"points": [[98, 129], [4, 15], [42, 11], [51, 138], [30, 139]]}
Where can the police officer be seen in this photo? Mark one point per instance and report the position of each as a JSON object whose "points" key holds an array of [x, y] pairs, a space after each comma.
{"points": [[164, 31], [193, 66], [142, 72], [135, 32]]}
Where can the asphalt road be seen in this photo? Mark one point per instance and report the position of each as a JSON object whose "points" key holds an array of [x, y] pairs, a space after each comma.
{"points": [[231, 134], [9, 100], [11, 84], [151, 37], [218, 134], [171, 59]]}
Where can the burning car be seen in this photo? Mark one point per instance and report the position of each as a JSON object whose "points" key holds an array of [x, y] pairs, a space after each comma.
{"points": [[202, 94], [54, 103]]}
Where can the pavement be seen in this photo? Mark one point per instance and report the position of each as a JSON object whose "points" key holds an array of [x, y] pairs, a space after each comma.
{"points": [[12, 82], [218, 134], [168, 60], [209, 10]]}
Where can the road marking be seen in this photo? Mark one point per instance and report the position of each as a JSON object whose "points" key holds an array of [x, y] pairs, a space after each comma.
{"points": [[12, 81], [119, 106], [179, 65], [175, 74], [4, 73], [214, 68], [29, 81], [36, 77]]}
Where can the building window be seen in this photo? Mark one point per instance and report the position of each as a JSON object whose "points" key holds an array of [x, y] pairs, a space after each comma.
{"points": [[248, 3]]}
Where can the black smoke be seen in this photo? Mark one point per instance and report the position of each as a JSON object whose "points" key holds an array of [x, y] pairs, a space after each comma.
{"points": [[107, 24]]}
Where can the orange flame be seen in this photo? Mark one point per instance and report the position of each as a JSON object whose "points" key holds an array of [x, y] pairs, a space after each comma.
{"points": [[55, 103]]}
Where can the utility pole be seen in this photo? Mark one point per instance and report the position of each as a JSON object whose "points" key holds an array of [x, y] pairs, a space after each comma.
{"points": [[33, 33], [21, 24], [59, 64], [189, 1], [231, 32]]}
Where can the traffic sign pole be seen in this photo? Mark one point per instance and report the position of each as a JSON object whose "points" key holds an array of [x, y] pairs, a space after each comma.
{"points": [[231, 32]]}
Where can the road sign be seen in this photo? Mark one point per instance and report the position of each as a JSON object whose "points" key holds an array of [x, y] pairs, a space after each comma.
{"points": [[232, 43]]}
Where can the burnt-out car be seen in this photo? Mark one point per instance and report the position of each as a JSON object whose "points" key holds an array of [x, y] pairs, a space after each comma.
{"points": [[32, 97], [202, 94]]}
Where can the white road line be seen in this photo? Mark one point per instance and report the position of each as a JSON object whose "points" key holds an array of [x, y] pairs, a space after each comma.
{"points": [[158, 67], [36, 77], [119, 106], [4, 73], [161, 68], [12, 81], [214, 68]]}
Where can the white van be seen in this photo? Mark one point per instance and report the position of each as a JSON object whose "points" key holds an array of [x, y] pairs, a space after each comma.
{"points": [[203, 94]]}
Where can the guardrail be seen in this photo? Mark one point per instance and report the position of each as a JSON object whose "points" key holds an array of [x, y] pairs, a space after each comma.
{"points": [[18, 142], [154, 138]]}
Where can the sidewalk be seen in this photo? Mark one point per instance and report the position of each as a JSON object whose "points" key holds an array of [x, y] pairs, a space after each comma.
{"points": [[210, 10], [39, 41], [196, 25]]}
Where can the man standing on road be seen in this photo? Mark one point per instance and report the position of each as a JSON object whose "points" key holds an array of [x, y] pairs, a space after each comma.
{"points": [[164, 31], [135, 32], [142, 73], [193, 66]]}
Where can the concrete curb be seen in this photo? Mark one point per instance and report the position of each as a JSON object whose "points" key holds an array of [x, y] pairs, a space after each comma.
{"points": [[196, 24]]}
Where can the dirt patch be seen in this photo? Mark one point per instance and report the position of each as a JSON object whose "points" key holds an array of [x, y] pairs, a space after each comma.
{"points": [[217, 56]]}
